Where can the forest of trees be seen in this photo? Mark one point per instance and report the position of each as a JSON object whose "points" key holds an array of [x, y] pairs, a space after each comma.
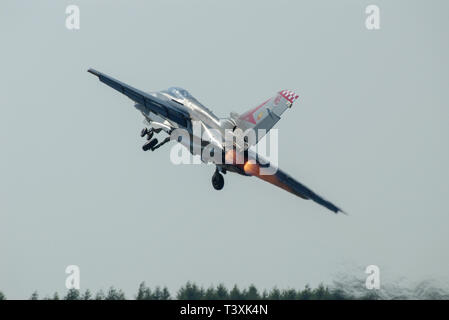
{"points": [[191, 291]]}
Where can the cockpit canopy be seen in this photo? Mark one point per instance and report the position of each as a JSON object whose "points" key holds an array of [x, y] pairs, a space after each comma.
{"points": [[179, 93], [183, 94]]}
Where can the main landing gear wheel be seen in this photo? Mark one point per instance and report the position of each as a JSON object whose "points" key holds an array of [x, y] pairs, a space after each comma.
{"points": [[149, 145], [143, 132], [217, 181], [150, 135], [147, 132]]}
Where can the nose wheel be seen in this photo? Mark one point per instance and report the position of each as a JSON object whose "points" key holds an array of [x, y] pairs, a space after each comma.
{"points": [[217, 180]]}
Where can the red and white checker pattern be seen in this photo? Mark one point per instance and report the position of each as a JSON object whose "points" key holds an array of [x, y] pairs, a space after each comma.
{"points": [[289, 95]]}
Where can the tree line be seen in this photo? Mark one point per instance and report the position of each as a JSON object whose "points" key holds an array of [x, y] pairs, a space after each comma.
{"points": [[191, 291]]}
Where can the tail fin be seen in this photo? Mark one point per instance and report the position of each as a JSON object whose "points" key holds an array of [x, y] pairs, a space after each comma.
{"points": [[267, 114]]}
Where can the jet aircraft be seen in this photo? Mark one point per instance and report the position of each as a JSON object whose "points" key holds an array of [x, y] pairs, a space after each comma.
{"points": [[175, 108]]}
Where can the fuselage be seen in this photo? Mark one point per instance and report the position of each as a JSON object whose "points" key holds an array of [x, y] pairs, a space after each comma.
{"points": [[206, 131]]}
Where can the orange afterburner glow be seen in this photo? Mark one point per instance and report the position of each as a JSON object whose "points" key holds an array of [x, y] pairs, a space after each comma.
{"points": [[251, 168]]}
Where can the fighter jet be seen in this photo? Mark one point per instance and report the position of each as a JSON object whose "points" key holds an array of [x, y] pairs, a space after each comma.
{"points": [[175, 109]]}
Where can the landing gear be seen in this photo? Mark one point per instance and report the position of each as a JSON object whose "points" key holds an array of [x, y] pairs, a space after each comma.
{"points": [[160, 144], [143, 132], [217, 180], [147, 132], [149, 145], [152, 144]]}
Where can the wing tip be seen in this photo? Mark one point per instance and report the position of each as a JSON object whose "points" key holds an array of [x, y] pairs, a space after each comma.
{"points": [[94, 72], [338, 210]]}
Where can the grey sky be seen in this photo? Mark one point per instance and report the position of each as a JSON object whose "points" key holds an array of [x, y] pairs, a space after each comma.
{"points": [[369, 132]]}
